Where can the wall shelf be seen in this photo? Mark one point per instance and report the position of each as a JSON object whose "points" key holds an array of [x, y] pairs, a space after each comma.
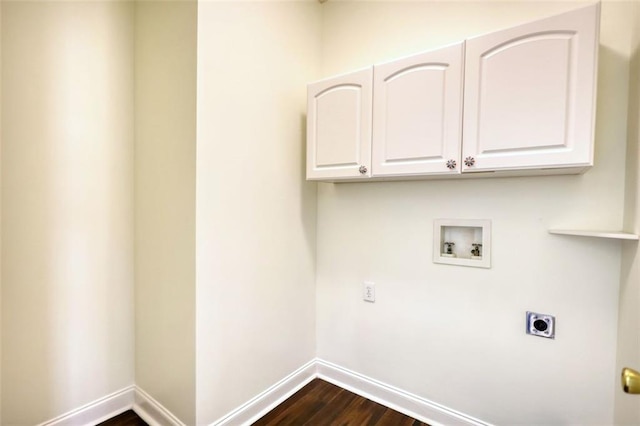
{"points": [[618, 235]]}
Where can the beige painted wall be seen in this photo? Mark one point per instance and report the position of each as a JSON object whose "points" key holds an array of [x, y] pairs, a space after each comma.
{"points": [[0, 218], [67, 171], [255, 214], [67, 197], [455, 335], [627, 407], [165, 67]]}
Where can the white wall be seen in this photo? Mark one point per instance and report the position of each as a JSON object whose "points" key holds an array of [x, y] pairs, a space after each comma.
{"points": [[255, 214], [450, 334], [165, 66], [0, 218], [67, 197], [455, 335], [627, 407]]}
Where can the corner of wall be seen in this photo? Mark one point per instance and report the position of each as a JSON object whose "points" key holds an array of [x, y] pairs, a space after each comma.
{"points": [[1, 3], [627, 409], [165, 125]]}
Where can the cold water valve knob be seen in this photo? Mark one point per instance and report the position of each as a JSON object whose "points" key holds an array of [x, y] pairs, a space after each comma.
{"points": [[448, 247]]}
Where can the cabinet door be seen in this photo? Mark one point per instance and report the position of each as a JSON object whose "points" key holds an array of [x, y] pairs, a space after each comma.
{"points": [[530, 94], [417, 114], [339, 127]]}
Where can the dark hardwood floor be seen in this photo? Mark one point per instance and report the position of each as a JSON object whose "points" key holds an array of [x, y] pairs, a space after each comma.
{"points": [[321, 403], [128, 418], [317, 404]]}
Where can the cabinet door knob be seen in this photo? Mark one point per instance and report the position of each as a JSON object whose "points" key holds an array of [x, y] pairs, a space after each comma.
{"points": [[363, 170], [469, 161], [451, 164]]}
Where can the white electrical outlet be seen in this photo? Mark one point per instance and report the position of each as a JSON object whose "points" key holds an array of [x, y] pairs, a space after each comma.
{"points": [[368, 291]]}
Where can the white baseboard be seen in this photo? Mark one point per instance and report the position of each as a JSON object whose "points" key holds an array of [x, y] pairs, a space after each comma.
{"points": [[96, 411], [129, 398], [412, 405], [152, 412], [270, 398]]}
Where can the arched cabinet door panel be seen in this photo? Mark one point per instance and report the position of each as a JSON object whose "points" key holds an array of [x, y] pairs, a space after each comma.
{"points": [[529, 99], [520, 100], [417, 114], [339, 127]]}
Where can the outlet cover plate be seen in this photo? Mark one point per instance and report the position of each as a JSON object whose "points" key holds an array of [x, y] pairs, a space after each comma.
{"points": [[542, 325], [368, 291]]}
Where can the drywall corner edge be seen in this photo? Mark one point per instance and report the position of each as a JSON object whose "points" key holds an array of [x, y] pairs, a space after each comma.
{"points": [[152, 412], [266, 401]]}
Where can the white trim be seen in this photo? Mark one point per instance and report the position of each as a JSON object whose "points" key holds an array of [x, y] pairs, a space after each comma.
{"points": [[152, 412], [155, 414], [96, 411], [266, 401], [412, 405]]}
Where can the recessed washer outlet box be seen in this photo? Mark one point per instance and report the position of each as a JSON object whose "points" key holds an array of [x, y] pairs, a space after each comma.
{"points": [[542, 325], [462, 242]]}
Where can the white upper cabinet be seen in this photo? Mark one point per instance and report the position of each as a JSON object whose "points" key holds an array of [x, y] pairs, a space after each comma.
{"points": [[529, 96], [339, 127], [528, 107], [417, 114]]}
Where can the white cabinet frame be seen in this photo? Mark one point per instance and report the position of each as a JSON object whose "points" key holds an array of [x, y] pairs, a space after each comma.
{"points": [[417, 114], [339, 126]]}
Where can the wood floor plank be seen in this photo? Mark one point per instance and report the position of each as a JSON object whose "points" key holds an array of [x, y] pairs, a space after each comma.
{"points": [[364, 412], [317, 404], [280, 411], [323, 404], [128, 418], [297, 409], [393, 418], [333, 410]]}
